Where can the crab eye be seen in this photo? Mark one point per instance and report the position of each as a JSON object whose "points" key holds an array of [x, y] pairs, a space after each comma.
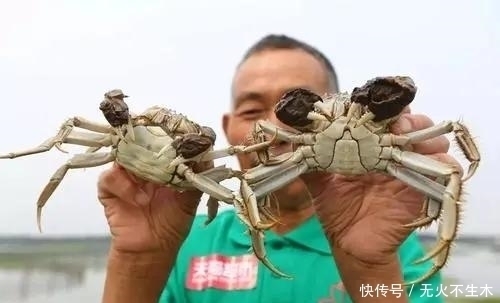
{"points": [[294, 105], [386, 97]]}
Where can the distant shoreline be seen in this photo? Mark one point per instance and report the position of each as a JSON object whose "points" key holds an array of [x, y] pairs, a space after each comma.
{"points": [[48, 238], [24, 243]]}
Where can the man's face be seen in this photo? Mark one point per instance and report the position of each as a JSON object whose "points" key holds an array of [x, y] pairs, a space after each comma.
{"points": [[258, 85]]}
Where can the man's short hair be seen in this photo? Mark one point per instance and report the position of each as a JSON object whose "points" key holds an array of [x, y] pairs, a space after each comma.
{"points": [[274, 41]]}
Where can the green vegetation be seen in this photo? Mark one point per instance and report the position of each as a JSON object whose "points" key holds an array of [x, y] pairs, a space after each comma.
{"points": [[29, 253]]}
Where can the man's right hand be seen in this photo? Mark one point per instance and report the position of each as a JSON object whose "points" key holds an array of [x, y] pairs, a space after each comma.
{"points": [[145, 217]]}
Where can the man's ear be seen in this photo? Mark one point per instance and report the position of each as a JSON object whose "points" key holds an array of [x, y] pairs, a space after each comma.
{"points": [[225, 123]]}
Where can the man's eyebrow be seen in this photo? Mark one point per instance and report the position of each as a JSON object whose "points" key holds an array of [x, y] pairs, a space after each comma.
{"points": [[247, 96], [256, 96], [306, 87]]}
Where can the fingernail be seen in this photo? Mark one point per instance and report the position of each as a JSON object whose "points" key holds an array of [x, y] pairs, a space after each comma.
{"points": [[141, 197], [405, 125]]}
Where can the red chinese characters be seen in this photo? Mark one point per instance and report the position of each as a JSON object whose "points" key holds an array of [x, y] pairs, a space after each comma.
{"points": [[222, 272]]}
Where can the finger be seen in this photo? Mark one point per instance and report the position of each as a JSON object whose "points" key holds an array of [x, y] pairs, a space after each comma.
{"points": [[436, 145], [116, 182], [409, 123], [448, 160]]}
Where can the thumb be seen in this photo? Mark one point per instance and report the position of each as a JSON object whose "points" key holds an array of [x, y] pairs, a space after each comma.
{"points": [[117, 183], [188, 201]]}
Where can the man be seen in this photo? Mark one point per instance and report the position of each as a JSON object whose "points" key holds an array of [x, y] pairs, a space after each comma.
{"points": [[334, 231]]}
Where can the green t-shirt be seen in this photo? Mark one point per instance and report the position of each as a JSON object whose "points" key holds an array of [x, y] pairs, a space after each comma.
{"points": [[215, 266]]}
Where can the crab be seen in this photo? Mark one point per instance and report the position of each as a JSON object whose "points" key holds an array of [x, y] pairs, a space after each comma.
{"points": [[156, 146], [159, 146], [348, 134]]}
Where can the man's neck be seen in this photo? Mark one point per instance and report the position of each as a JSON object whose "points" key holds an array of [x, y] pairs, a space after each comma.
{"points": [[291, 219]]}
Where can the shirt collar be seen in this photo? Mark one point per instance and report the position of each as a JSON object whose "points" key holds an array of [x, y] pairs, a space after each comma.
{"points": [[309, 235]]}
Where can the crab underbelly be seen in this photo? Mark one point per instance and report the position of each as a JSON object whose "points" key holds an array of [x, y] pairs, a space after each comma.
{"points": [[145, 164], [347, 157]]}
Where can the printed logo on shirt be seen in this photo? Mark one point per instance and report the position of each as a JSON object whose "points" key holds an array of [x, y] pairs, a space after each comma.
{"points": [[222, 272]]}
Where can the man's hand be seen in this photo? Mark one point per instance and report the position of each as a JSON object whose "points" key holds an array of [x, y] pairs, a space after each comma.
{"points": [[364, 216], [145, 217], [148, 224]]}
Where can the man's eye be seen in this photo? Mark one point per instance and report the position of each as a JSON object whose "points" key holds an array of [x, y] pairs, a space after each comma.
{"points": [[252, 113]]}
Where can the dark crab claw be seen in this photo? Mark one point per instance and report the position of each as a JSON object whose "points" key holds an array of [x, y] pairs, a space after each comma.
{"points": [[295, 105], [209, 133], [115, 93], [116, 112], [385, 97], [192, 145], [114, 109]]}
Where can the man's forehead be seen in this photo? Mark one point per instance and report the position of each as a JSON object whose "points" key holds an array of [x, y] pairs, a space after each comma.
{"points": [[291, 61], [276, 70]]}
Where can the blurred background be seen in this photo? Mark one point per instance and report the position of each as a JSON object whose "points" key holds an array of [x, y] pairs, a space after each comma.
{"points": [[57, 58]]}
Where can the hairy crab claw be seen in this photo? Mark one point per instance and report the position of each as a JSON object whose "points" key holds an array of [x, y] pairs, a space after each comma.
{"points": [[295, 108], [383, 98], [190, 147]]}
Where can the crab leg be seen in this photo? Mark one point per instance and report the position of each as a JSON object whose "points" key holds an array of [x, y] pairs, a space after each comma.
{"points": [[263, 155], [268, 127], [419, 181], [265, 209], [281, 178], [260, 172], [433, 189], [77, 161], [431, 208], [257, 239], [462, 136], [284, 135], [217, 154], [449, 224], [206, 185], [217, 174], [241, 212], [67, 135], [221, 193], [237, 149], [259, 250], [252, 207]]}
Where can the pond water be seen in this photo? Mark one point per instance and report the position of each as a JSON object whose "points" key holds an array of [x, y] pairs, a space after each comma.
{"points": [[80, 280]]}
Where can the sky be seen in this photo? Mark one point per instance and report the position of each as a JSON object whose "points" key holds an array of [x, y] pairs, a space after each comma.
{"points": [[57, 58]]}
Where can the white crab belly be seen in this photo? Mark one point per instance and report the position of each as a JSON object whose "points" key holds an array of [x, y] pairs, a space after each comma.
{"points": [[345, 157], [140, 158]]}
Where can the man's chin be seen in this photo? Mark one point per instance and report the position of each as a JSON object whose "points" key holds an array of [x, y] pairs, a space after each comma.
{"points": [[293, 196]]}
